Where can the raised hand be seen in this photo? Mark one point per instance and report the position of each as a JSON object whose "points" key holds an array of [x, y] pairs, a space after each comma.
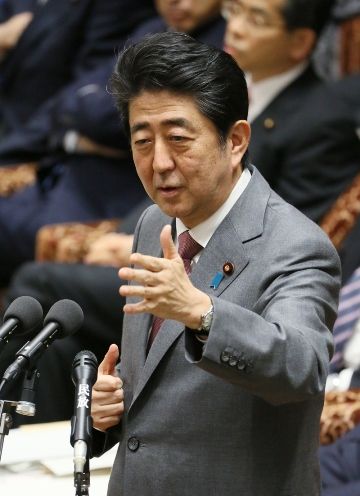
{"points": [[164, 286], [107, 405]]}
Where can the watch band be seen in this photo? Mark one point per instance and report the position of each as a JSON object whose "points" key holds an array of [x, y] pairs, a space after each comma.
{"points": [[206, 320]]}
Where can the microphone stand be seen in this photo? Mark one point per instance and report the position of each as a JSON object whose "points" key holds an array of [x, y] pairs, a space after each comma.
{"points": [[26, 405], [81, 460], [82, 480], [6, 408]]}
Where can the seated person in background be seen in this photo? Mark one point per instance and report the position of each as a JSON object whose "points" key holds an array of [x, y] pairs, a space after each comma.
{"points": [[12, 29], [345, 364], [338, 52], [340, 465], [340, 460], [91, 176], [94, 286], [303, 136], [50, 44]]}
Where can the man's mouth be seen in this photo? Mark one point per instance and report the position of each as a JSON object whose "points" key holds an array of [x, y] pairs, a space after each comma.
{"points": [[168, 191], [176, 15], [229, 49]]}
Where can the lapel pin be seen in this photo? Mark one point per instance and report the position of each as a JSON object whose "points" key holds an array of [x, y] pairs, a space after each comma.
{"points": [[228, 268], [269, 123], [216, 280]]}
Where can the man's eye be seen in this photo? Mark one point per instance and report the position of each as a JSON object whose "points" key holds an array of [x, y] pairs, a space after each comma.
{"points": [[177, 138], [142, 142]]}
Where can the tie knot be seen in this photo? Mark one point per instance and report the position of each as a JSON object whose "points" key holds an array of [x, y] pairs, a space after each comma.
{"points": [[188, 247]]}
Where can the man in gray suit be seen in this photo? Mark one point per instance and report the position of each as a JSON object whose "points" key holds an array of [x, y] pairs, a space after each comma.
{"points": [[226, 346]]}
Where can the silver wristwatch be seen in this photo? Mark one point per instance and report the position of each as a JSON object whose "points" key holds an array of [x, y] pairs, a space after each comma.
{"points": [[206, 320]]}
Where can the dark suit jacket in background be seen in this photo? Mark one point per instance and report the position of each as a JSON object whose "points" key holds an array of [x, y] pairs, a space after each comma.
{"points": [[243, 416], [73, 187], [65, 39], [86, 106], [305, 143], [340, 465]]}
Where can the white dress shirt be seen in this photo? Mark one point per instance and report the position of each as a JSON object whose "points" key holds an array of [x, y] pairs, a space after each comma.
{"points": [[204, 231], [264, 92]]}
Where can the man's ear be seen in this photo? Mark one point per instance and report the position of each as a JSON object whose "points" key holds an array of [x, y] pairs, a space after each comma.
{"points": [[239, 137], [302, 44]]}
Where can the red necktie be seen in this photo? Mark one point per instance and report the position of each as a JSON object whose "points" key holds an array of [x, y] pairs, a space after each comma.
{"points": [[187, 249]]}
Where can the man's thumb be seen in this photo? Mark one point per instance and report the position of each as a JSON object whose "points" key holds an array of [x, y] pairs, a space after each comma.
{"points": [[107, 366], [167, 243]]}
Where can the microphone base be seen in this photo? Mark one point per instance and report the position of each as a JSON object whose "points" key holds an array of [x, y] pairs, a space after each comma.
{"points": [[6, 408], [26, 408], [82, 483]]}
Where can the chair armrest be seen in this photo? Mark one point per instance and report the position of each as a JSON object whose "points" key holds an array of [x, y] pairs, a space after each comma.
{"points": [[69, 242]]}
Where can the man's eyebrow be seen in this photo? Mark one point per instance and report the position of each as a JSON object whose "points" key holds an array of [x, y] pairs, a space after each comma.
{"points": [[179, 121], [139, 127], [257, 10]]}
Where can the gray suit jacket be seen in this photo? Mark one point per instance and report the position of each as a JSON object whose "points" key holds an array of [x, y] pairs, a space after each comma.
{"points": [[241, 415]]}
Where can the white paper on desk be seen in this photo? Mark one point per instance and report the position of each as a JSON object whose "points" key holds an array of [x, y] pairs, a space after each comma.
{"points": [[37, 442]]}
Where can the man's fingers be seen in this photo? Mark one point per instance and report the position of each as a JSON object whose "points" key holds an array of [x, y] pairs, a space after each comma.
{"points": [[107, 416], [107, 397], [154, 264], [107, 383], [144, 277], [104, 423], [167, 243], [107, 366], [140, 307]]}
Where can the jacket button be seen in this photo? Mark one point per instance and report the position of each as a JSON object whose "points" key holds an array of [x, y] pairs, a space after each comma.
{"points": [[133, 444], [233, 360], [241, 364], [225, 356]]}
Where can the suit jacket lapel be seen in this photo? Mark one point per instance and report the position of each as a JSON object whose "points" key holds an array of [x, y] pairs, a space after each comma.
{"points": [[243, 224], [169, 332]]}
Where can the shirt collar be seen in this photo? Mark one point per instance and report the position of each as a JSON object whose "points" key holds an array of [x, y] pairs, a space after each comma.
{"points": [[265, 91], [203, 232]]}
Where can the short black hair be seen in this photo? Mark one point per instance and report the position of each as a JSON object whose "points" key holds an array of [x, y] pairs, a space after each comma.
{"points": [[177, 63], [312, 14]]}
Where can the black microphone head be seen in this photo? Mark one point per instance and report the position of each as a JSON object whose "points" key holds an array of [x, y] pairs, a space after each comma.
{"points": [[68, 315], [27, 311], [85, 359]]}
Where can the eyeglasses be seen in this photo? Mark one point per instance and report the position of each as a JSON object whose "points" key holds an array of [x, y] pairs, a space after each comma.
{"points": [[256, 18]]}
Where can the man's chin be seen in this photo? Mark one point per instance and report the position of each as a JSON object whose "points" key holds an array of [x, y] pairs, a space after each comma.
{"points": [[183, 25], [171, 209]]}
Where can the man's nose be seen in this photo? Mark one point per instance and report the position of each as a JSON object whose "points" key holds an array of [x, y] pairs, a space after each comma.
{"points": [[236, 26], [163, 159]]}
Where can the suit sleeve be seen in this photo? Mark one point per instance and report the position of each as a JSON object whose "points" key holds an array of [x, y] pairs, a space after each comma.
{"points": [[109, 28], [279, 347], [9, 8]]}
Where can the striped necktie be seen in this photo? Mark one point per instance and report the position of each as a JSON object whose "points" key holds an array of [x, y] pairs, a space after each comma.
{"points": [[348, 315], [187, 249]]}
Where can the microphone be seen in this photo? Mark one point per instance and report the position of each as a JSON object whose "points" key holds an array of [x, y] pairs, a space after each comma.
{"points": [[64, 318], [22, 317], [84, 373]]}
